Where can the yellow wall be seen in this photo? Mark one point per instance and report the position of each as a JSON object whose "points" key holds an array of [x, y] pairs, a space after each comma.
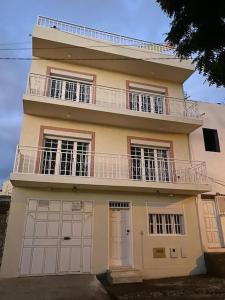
{"points": [[107, 78], [151, 267], [108, 139]]}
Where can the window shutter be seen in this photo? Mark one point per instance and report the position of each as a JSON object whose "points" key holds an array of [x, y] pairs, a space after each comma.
{"points": [[221, 204]]}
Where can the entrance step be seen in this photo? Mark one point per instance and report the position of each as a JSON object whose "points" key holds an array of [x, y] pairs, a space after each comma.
{"points": [[215, 263], [118, 275]]}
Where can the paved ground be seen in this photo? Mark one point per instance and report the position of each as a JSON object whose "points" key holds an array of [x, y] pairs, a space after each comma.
{"points": [[87, 287], [67, 287], [185, 288]]}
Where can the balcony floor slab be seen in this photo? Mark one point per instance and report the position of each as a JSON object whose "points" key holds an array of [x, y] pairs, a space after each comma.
{"points": [[90, 113], [91, 183]]}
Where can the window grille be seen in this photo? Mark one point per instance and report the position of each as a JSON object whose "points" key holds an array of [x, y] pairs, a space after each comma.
{"points": [[168, 224], [146, 102], [150, 164], [65, 157], [119, 204]]}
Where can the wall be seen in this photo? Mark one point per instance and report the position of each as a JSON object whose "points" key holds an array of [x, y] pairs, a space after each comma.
{"points": [[152, 268], [213, 118], [108, 139], [107, 78]]}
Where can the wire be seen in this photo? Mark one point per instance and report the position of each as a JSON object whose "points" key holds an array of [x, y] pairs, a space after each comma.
{"points": [[14, 43], [87, 46], [111, 59]]}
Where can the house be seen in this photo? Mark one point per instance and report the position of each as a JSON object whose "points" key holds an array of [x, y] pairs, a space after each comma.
{"points": [[207, 143], [103, 177], [5, 197]]}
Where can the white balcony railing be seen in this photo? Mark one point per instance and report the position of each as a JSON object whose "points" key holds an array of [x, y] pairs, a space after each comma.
{"points": [[49, 162], [110, 98], [103, 36]]}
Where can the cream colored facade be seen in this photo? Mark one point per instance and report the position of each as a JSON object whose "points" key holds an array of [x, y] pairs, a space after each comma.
{"points": [[119, 205], [211, 204]]}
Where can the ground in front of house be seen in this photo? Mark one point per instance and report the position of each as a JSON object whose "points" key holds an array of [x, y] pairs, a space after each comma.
{"points": [[87, 287], [66, 287], [185, 288]]}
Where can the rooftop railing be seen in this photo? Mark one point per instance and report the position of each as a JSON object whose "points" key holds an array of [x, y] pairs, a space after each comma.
{"points": [[103, 35], [83, 93], [49, 162]]}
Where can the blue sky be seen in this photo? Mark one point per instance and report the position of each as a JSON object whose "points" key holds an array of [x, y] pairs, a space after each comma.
{"points": [[136, 18]]}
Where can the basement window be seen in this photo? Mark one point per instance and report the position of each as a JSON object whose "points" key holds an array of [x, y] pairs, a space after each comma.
{"points": [[211, 140]]}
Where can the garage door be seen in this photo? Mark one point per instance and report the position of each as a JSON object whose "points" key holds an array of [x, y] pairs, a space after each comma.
{"points": [[57, 238]]}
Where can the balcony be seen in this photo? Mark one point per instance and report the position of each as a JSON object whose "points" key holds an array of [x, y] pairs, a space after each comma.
{"points": [[74, 100], [96, 48], [81, 170]]}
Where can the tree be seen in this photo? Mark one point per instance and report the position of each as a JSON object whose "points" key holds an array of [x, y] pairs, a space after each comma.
{"points": [[198, 31]]}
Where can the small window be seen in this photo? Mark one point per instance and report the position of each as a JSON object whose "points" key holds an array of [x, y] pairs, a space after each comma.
{"points": [[169, 224], [211, 140]]}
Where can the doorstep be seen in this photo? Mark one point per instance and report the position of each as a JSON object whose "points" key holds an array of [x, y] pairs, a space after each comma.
{"points": [[116, 275]]}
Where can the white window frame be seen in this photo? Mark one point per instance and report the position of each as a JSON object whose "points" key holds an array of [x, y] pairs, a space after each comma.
{"points": [[149, 94], [58, 154], [155, 159], [163, 215], [76, 81]]}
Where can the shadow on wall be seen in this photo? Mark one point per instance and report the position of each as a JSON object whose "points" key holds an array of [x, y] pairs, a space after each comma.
{"points": [[200, 267], [4, 210]]}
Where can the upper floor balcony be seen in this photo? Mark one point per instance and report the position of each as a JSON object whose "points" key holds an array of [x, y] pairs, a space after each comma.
{"points": [[58, 40], [67, 98], [83, 170]]}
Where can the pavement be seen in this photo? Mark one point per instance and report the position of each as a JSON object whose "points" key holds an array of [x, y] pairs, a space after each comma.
{"points": [[182, 288], [66, 287]]}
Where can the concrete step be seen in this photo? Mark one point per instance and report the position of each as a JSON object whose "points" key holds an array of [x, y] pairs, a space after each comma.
{"points": [[215, 263], [124, 275]]}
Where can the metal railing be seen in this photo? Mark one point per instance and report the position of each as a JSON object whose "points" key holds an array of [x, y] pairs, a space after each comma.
{"points": [[50, 162], [108, 97], [103, 35]]}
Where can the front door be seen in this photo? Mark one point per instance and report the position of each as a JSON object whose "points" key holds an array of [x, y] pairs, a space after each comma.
{"points": [[120, 232]]}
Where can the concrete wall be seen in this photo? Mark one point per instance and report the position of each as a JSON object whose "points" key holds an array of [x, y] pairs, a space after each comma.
{"points": [[213, 118], [108, 139], [107, 78], [142, 258]]}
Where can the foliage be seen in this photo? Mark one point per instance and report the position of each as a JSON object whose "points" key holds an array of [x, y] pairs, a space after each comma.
{"points": [[198, 31]]}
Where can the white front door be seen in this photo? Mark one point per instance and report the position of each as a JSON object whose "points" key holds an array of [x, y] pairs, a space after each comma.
{"points": [[57, 238], [211, 223], [120, 232]]}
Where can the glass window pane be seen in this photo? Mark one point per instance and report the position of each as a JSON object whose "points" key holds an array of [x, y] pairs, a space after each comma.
{"points": [[82, 159], [49, 156], [136, 169]]}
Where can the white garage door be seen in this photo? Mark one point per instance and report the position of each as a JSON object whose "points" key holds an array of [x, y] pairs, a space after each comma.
{"points": [[57, 238]]}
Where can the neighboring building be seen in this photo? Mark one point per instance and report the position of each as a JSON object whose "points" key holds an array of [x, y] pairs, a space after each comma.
{"points": [[208, 143], [5, 197], [102, 177]]}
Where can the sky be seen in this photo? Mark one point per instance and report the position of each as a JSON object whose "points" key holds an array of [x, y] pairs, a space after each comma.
{"points": [[141, 19]]}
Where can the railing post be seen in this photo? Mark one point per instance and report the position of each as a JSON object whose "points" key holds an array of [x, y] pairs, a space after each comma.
{"points": [[15, 164]]}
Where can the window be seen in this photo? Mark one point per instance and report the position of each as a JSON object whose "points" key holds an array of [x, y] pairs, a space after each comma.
{"points": [[65, 157], [211, 140], [68, 89], [150, 164], [146, 102], [166, 224]]}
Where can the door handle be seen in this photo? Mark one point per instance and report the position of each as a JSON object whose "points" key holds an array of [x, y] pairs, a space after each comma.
{"points": [[128, 231], [66, 238]]}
